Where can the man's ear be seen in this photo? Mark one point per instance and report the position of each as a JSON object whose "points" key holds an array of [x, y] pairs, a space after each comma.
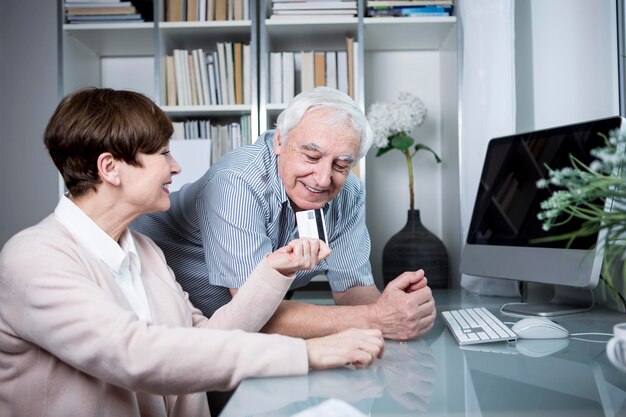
{"points": [[108, 168], [277, 144]]}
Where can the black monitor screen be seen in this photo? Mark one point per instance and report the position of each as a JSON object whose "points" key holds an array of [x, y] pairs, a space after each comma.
{"points": [[508, 200]]}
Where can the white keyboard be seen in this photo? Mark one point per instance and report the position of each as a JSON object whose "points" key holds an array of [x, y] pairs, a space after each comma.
{"points": [[476, 325]]}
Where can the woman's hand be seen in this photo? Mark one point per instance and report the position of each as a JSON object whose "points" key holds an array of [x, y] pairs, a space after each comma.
{"points": [[299, 254], [353, 348]]}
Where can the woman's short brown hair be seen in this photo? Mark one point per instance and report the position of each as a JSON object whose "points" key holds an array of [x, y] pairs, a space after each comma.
{"points": [[91, 121]]}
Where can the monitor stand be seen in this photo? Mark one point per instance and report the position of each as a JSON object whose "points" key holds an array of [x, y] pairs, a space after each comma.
{"points": [[565, 300]]}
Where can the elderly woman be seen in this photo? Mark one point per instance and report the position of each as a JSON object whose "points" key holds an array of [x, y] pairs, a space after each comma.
{"points": [[92, 320]]}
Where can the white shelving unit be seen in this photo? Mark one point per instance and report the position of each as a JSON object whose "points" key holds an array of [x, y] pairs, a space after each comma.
{"points": [[417, 54]]}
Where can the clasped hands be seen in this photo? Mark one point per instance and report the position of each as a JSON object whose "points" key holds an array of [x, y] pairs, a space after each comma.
{"points": [[406, 308]]}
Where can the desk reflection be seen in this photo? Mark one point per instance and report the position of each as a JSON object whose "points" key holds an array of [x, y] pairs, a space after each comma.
{"points": [[405, 375]]}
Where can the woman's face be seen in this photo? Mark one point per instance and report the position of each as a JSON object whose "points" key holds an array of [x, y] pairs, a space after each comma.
{"points": [[145, 188]]}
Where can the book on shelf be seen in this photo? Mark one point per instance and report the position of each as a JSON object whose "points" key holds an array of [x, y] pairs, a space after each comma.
{"points": [[192, 10], [331, 69], [376, 3], [87, 11], [401, 11], [223, 80], [314, 5], [288, 72], [308, 71], [342, 71], [247, 74], [221, 9], [98, 2], [350, 56], [174, 10], [170, 81], [105, 18], [238, 66], [230, 72], [276, 77], [193, 80], [204, 77], [319, 68]]}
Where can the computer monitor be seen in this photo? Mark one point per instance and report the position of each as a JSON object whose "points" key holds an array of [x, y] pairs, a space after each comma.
{"points": [[501, 240]]}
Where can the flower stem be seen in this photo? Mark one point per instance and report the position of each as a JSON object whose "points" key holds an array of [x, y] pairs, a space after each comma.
{"points": [[409, 164]]}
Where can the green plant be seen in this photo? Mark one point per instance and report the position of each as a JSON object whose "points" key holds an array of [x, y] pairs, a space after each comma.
{"points": [[391, 125], [582, 193]]}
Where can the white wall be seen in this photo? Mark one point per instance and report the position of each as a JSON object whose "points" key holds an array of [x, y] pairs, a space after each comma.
{"points": [[566, 62], [386, 177], [28, 86]]}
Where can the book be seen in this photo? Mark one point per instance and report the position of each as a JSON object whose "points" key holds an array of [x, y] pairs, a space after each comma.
{"points": [[319, 69], [218, 78], [342, 71], [174, 10], [247, 72], [210, 10], [193, 82], [178, 70], [238, 65], [212, 83], [221, 61], [170, 84], [297, 72], [328, 5], [221, 9], [276, 77], [350, 54], [288, 71], [135, 17], [88, 11], [376, 3], [308, 71], [230, 72], [192, 10], [204, 77], [98, 5], [331, 69]]}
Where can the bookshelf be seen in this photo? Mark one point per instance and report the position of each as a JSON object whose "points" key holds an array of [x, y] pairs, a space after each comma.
{"points": [[417, 54]]}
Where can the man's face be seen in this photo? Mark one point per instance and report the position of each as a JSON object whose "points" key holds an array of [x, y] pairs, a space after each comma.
{"points": [[316, 160]]}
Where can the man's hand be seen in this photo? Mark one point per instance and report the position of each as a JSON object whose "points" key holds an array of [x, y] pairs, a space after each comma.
{"points": [[352, 347], [406, 308], [299, 254]]}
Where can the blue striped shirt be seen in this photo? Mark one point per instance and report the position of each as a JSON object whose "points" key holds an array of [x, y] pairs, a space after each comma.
{"points": [[222, 225]]}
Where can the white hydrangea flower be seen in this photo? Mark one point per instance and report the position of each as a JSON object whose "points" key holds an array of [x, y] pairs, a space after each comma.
{"points": [[401, 116]]}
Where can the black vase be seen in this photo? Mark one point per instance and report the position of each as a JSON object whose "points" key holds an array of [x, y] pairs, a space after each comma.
{"points": [[415, 247]]}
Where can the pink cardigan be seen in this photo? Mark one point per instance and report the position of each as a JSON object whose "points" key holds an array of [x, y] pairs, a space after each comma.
{"points": [[70, 345]]}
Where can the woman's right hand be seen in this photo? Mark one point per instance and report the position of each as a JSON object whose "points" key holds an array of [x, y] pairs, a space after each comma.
{"points": [[352, 347], [297, 255]]}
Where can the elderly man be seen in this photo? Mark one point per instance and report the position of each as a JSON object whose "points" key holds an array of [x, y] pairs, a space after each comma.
{"points": [[212, 244]]}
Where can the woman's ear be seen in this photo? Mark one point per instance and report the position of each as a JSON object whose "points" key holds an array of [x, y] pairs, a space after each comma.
{"points": [[107, 168]]}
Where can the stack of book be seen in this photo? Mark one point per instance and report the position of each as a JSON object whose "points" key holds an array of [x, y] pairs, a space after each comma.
{"points": [[399, 8], [203, 78], [206, 10], [294, 72], [100, 11], [292, 9]]}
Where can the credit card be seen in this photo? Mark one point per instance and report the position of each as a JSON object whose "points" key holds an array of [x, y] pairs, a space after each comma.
{"points": [[311, 224]]}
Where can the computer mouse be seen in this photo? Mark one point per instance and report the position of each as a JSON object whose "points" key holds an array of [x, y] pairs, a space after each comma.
{"points": [[539, 328]]}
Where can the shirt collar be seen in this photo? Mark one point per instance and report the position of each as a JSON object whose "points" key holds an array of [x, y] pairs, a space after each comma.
{"points": [[100, 244]]}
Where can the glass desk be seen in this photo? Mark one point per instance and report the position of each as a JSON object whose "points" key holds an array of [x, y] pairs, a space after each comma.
{"points": [[435, 376]]}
